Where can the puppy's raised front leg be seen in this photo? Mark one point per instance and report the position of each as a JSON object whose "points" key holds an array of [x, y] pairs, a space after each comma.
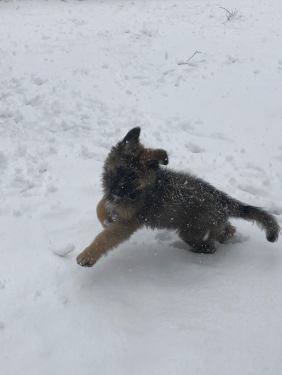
{"points": [[109, 238]]}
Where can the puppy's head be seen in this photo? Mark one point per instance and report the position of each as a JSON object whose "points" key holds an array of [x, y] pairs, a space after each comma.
{"points": [[130, 167]]}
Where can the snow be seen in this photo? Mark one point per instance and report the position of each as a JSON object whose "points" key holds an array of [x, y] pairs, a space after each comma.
{"points": [[64, 250], [74, 77]]}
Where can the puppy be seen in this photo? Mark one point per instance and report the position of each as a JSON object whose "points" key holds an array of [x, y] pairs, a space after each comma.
{"points": [[139, 192]]}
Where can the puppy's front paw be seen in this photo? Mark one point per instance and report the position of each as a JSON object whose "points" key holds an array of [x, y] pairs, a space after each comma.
{"points": [[87, 258]]}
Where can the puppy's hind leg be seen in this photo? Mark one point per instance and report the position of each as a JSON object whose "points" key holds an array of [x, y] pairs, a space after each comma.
{"points": [[225, 232], [200, 242]]}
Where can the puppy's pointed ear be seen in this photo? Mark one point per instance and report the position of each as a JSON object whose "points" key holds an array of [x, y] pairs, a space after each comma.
{"points": [[132, 135]]}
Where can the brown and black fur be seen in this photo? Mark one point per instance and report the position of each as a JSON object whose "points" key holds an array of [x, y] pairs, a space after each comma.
{"points": [[139, 192]]}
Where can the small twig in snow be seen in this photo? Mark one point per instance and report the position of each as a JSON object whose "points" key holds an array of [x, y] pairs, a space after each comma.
{"points": [[230, 14], [190, 58]]}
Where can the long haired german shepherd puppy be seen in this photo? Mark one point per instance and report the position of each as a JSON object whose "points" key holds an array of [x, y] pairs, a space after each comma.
{"points": [[139, 192]]}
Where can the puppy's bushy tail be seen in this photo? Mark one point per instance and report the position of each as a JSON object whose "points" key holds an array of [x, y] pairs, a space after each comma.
{"points": [[264, 220]]}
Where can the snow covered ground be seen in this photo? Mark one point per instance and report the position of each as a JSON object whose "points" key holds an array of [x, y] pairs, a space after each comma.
{"points": [[74, 77]]}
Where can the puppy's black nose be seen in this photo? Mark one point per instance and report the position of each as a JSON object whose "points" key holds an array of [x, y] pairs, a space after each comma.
{"points": [[165, 161]]}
